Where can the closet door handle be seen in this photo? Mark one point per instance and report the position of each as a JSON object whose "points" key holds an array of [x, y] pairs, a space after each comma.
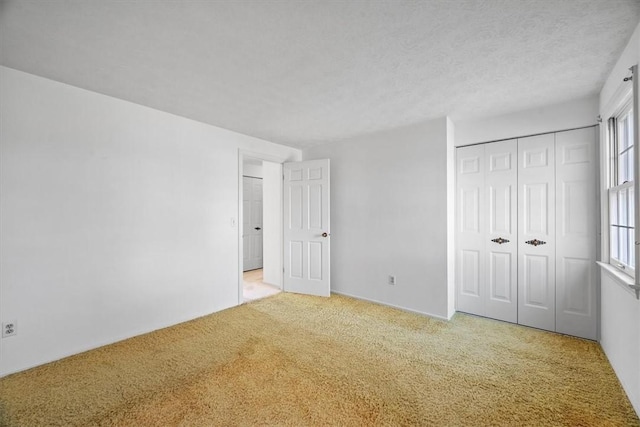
{"points": [[500, 240], [535, 242]]}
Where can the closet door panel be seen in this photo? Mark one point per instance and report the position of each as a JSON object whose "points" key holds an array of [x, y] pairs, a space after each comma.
{"points": [[536, 232], [576, 300], [470, 230], [501, 240]]}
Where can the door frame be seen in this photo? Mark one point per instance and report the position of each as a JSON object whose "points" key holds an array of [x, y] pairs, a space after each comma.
{"points": [[242, 154]]}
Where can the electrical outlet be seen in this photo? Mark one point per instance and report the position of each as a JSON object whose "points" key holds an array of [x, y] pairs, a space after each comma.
{"points": [[392, 280], [9, 329]]}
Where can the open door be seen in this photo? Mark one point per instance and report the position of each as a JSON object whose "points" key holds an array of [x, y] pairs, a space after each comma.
{"points": [[307, 227]]}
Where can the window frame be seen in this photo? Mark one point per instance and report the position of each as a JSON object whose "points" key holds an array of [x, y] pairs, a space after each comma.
{"points": [[614, 188]]}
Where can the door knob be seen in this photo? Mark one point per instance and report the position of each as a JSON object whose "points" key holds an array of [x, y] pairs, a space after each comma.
{"points": [[535, 242], [257, 228], [500, 240], [325, 234]]}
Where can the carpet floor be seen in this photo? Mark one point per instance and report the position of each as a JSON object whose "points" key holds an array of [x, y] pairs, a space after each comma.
{"points": [[298, 360]]}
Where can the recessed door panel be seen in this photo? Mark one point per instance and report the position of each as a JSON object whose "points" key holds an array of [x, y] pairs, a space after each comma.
{"points": [[315, 173], [470, 163], [573, 199], [577, 283], [470, 272], [315, 207], [315, 260], [536, 156], [500, 279], [470, 209], [536, 281], [536, 208], [296, 255], [500, 208], [500, 161], [577, 152], [296, 210], [256, 213]]}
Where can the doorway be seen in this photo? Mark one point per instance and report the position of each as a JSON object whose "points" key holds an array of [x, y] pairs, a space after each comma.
{"points": [[254, 287], [260, 226], [295, 213]]}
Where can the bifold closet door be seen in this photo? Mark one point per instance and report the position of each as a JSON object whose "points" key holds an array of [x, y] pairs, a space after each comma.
{"points": [[536, 232], [486, 230], [526, 231], [470, 230], [501, 240], [576, 208]]}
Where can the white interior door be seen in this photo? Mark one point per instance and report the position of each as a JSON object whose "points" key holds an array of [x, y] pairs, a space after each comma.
{"points": [[501, 240], [536, 234], [471, 235], [576, 233], [307, 227], [252, 223]]}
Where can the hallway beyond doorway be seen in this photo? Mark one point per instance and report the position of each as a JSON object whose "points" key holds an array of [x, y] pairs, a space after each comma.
{"points": [[253, 288]]}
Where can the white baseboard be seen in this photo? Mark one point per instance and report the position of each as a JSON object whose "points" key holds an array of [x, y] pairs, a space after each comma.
{"points": [[410, 310]]}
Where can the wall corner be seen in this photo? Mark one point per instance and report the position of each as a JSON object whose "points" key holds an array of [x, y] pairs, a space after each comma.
{"points": [[451, 217]]}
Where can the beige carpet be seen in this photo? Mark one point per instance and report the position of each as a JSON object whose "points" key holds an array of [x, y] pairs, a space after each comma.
{"points": [[297, 360]]}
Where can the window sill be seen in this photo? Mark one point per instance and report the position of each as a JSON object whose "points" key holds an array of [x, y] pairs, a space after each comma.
{"points": [[619, 277]]}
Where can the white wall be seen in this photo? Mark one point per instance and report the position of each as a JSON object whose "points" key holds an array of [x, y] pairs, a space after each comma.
{"points": [[620, 339], [451, 219], [389, 216], [115, 218], [567, 115], [620, 311], [272, 223], [630, 56]]}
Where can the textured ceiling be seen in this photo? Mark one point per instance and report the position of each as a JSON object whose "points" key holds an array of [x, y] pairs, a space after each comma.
{"points": [[306, 72]]}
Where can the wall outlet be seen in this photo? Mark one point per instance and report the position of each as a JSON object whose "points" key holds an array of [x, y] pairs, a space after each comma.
{"points": [[9, 329], [392, 280]]}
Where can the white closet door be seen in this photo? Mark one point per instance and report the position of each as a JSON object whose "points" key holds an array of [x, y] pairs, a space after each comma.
{"points": [[576, 233], [501, 240], [252, 223], [536, 232], [470, 224]]}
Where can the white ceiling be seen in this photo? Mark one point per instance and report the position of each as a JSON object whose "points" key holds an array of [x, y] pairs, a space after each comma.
{"points": [[305, 72]]}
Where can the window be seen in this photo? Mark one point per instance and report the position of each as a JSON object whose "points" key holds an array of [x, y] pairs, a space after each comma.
{"points": [[621, 201]]}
